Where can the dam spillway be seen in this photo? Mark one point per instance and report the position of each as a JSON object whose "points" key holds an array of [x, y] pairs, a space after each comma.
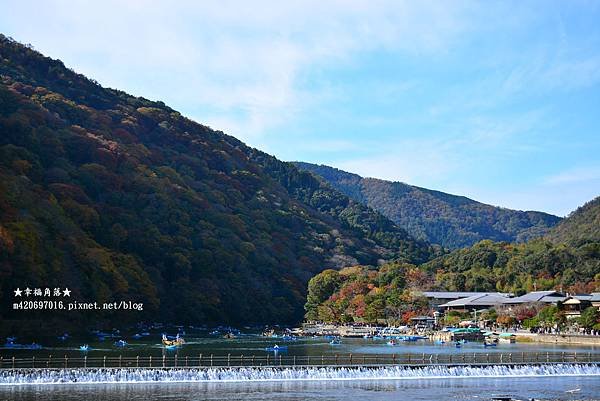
{"points": [[24, 376]]}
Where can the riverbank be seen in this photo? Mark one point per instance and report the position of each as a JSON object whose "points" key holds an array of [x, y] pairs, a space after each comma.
{"points": [[558, 338]]}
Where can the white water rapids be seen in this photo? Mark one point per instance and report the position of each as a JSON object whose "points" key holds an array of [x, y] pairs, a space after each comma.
{"points": [[256, 374]]}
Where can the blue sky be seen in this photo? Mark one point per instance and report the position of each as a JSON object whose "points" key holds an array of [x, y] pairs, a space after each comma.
{"points": [[498, 101]]}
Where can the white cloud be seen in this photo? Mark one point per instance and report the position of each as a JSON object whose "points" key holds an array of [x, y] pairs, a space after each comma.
{"points": [[242, 67], [576, 175], [239, 64], [423, 161], [456, 147]]}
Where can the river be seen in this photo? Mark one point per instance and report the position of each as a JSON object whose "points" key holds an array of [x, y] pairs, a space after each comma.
{"points": [[555, 382]]}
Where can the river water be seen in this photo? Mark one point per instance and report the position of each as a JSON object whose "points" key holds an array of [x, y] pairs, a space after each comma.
{"points": [[200, 343], [555, 382], [474, 389]]}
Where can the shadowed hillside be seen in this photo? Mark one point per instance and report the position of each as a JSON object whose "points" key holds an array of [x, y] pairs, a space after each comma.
{"points": [[122, 198]]}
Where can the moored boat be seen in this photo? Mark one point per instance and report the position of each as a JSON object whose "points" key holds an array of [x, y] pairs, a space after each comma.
{"points": [[176, 342], [507, 338]]}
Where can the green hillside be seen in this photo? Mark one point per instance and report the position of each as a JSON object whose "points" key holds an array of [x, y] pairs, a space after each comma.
{"points": [[582, 226], [392, 291], [122, 198], [440, 218], [568, 263]]}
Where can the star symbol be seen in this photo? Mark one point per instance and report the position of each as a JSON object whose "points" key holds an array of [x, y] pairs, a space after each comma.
{"points": [[18, 292], [67, 292]]}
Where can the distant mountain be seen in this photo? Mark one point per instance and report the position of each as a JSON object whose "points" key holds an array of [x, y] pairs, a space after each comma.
{"points": [[581, 226], [440, 218], [122, 198]]}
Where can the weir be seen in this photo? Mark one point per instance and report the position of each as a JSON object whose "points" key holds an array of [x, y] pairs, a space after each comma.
{"points": [[226, 368], [40, 376]]}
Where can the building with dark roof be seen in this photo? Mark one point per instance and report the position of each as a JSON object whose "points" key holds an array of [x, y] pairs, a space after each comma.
{"points": [[545, 297], [438, 298], [477, 302], [575, 304]]}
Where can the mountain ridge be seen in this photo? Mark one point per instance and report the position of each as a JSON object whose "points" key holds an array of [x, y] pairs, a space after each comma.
{"points": [[452, 221], [120, 197], [580, 226]]}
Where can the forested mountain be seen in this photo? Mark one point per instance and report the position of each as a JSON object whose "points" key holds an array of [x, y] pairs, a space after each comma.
{"points": [[570, 261], [440, 218], [583, 225], [571, 264], [122, 198]]}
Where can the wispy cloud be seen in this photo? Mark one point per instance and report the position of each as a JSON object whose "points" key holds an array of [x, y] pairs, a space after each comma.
{"points": [[456, 148], [590, 174], [240, 64], [451, 95]]}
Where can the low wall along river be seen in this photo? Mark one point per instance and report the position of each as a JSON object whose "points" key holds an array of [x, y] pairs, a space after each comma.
{"points": [[560, 338]]}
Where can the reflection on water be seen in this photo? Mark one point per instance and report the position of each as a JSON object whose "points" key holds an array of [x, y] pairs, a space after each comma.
{"points": [[543, 388]]}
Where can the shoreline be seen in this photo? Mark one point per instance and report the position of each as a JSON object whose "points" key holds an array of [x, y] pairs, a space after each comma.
{"points": [[558, 338]]}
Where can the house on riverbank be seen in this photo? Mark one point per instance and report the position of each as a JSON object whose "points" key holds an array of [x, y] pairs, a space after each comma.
{"points": [[575, 304]]}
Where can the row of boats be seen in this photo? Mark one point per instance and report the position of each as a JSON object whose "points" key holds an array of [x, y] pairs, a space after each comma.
{"points": [[169, 342], [460, 343], [12, 344]]}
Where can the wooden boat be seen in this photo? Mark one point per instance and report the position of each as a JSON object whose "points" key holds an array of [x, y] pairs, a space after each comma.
{"points": [[269, 333], [176, 342], [287, 337], [411, 338], [507, 338]]}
